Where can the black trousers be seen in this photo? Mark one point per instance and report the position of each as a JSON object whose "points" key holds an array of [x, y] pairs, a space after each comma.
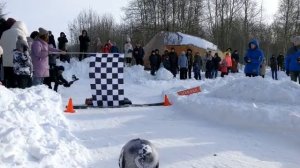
{"points": [[251, 75], [139, 61], [153, 69], [190, 71], [183, 73], [82, 56], [174, 71], [9, 77], [24, 81]]}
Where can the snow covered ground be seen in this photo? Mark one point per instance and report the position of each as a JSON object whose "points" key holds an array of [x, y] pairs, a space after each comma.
{"points": [[235, 122]]}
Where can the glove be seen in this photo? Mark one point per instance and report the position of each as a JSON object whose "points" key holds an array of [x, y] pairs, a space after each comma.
{"points": [[67, 85]]}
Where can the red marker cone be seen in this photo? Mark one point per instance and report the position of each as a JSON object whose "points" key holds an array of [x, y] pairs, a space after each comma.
{"points": [[70, 108], [166, 101]]}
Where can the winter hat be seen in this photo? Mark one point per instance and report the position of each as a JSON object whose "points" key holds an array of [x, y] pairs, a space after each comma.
{"points": [[20, 37], [296, 40], [84, 31], [139, 153], [60, 68], [21, 44], [42, 31], [34, 34], [10, 22]]}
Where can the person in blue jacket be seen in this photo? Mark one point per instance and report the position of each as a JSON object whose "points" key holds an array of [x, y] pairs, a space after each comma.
{"points": [[292, 60], [183, 65], [253, 59]]}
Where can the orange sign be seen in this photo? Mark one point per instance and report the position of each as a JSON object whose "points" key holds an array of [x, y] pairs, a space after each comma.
{"points": [[189, 91]]}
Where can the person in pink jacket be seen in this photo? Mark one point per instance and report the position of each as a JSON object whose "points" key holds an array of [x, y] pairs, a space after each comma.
{"points": [[39, 53], [228, 61]]}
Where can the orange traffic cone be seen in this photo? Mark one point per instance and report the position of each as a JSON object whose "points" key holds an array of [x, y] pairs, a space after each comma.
{"points": [[166, 101], [70, 108]]}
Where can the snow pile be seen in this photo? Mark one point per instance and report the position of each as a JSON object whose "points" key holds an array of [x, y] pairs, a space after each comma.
{"points": [[34, 131], [248, 102], [136, 74], [259, 90], [163, 74]]}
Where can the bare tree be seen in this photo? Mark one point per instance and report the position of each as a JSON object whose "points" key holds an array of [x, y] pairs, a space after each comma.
{"points": [[102, 27]]}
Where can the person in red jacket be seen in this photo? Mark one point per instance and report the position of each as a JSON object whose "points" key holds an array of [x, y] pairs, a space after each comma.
{"points": [[106, 49], [223, 68], [228, 61]]}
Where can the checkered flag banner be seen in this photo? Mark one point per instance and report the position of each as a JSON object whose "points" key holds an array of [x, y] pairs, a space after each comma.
{"points": [[107, 79]]}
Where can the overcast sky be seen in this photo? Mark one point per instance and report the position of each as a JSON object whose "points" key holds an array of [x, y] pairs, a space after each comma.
{"points": [[56, 14]]}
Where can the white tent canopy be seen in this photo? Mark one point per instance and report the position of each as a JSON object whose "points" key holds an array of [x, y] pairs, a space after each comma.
{"points": [[178, 38]]}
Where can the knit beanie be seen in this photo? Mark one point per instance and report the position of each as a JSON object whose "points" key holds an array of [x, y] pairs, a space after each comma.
{"points": [[42, 31]]}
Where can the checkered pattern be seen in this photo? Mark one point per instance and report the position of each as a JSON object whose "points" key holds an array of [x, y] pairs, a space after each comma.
{"points": [[107, 79]]}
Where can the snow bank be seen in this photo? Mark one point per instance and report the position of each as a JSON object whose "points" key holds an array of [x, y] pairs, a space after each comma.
{"points": [[34, 131], [163, 74], [247, 102], [138, 74], [259, 90]]}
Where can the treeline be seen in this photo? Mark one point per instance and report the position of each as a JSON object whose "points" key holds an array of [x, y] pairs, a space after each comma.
{"points": [[227, 23]]}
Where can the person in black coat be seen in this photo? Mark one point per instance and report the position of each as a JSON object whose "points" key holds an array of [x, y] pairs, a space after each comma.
{"points": [[57, 78], [173, 58], [138, 54], [62, 43], [166, 60], [216, 64], [273, 65], [189, 54], [154, 62], [51, 40], [235, 55], [84, 44], [209, 67], [280, 62]]}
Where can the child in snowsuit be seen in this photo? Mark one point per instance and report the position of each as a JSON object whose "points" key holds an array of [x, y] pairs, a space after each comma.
{"points": [[22, 64]]}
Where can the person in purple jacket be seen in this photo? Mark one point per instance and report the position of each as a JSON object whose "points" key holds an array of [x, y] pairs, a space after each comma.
{"points": [[39, 53]]}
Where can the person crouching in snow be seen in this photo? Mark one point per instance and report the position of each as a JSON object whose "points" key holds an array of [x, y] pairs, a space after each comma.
{"points": [[223, 68], [58, 78], [139, 153]]}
